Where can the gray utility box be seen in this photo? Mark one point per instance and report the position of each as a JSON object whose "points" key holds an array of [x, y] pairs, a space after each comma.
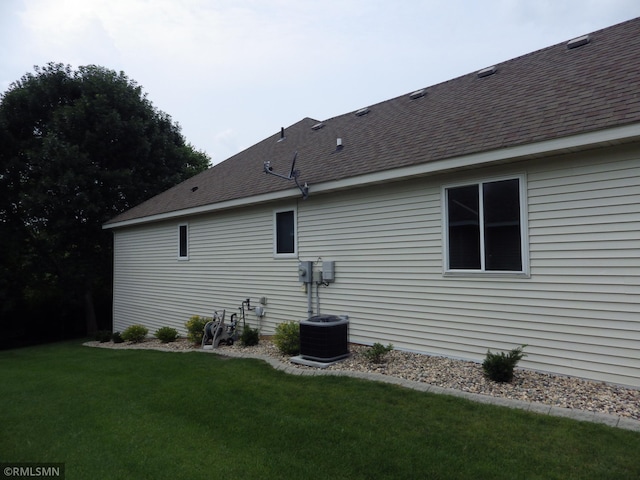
{"points": [[324, 338]]}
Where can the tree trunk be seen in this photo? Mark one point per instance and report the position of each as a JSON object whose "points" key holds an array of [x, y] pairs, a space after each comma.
{"points": [[90, 313]]}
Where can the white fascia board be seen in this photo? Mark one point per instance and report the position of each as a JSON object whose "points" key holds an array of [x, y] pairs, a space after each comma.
{"points": [[213, 207], [503, 155], [558, 145]]}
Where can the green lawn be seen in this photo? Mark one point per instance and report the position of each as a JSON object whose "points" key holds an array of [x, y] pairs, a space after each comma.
{"points": [[134, 414]]}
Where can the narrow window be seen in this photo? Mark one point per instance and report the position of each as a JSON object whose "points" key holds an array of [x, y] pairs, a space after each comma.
{"points": [[285, 232], [183, 239], [484, 227]]}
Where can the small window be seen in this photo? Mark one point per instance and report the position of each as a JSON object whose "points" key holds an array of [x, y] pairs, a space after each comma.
{"points": [[285, 232], [183, 239], [485, 227]]}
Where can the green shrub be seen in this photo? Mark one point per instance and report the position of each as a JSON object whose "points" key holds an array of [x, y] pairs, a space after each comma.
{"points": [[499, 366], [135, 333], [195, 328], [377, 352], [250, 336], [103, 336], [116, 337], [287, 338], [166, 334]]}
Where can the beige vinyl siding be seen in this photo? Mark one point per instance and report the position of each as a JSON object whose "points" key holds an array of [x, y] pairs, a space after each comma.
{"points": [[230, 259], [584, 229], [577, 311]]}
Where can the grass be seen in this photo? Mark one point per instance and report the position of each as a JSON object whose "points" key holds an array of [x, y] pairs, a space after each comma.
{"points": [[123, 414]]}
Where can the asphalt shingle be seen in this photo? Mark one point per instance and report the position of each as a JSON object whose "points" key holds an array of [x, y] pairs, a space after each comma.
{"points": [[551, 93]]}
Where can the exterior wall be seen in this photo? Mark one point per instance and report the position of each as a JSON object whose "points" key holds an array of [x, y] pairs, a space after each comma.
{"points": [[584, 219], [230, 259], [577, 312]]}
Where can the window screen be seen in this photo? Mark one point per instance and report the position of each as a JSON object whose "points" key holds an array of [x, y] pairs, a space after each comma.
{"points": [[183, 250], [502, 245], [484, 226], [285, 232]]}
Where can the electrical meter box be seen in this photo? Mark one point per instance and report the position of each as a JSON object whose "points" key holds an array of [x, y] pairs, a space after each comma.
{"points": [[305, 272], [328, 271]]}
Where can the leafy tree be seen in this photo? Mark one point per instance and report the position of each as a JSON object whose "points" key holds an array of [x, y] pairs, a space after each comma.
{"points": [[77, 147]]}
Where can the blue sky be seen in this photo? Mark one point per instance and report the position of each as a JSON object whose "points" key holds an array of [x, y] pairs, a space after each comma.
{"points": [[232, 72]]}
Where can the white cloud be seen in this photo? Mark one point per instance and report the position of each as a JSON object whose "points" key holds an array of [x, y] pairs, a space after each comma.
{"points": [[244, 68]]}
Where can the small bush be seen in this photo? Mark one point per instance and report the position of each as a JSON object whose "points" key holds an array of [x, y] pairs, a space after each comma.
{"points": [[287, 338], [377, 352], [499, 366], [195, 328], [250, 336], [103, 336], [135, 333], [116, 337], [166, 334]]}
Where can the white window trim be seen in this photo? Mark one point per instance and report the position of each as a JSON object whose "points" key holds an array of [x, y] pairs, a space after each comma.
{"points": [[295, 233], [524, 231], [183, 258]]}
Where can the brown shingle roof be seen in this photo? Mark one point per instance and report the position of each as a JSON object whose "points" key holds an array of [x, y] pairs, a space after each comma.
{"points": [[551, 93]]}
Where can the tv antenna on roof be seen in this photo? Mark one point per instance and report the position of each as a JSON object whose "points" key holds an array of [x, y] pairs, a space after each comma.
{"points": [[293, 175]]}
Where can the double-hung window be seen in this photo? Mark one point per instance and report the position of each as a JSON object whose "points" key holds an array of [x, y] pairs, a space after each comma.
{"points": [[284, 234], [485, 227], [183, 242]]}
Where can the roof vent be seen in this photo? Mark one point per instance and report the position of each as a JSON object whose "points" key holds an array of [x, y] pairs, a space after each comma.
{"points": [[578, 42], [282, 137], [317, 126], [193, 189], [485, 72], [417, 94], [362, 111]]}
